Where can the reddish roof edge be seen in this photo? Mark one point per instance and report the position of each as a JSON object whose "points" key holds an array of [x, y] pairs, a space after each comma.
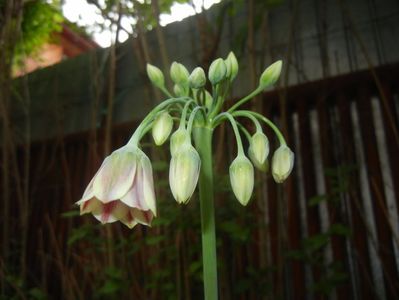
{"points": [[77, 39]]}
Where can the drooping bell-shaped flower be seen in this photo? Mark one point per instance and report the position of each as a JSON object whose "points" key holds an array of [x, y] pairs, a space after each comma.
{"points": [[122, 189], [162, 127], [183, 172], [258, 148], [282, 163], [242, 178]]}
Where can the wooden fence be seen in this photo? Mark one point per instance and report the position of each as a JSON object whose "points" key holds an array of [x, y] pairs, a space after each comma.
{"points": [[331, 231]]}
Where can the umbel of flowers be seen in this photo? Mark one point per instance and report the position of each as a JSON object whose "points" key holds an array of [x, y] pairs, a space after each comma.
{"points": [[123, 187]]}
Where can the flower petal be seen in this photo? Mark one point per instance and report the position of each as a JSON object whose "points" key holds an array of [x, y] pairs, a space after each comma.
{"points": [[106, 214], [135, 196], [88, 193], [142, 217], [148, 185], [91, 206], [115, 176], [129, 221]]}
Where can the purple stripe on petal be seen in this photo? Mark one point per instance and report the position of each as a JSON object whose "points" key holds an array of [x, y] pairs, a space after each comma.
{"points": [[107, 210]]}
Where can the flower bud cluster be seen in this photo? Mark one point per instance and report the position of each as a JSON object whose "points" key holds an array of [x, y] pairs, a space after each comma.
{"points": [[242, 172], [123, 187]]}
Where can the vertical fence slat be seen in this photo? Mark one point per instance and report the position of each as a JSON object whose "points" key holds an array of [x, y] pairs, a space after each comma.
{"points": [[308, 175], [391, 143], [334, 210], [294, 229], [385, 246], [359, 238]]}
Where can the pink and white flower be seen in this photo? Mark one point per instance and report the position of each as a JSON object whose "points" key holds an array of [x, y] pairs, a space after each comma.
{"points": [[122, 189]]}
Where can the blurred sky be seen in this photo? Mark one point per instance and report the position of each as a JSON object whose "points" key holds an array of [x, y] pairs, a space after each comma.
{"points": [[87, 15]]}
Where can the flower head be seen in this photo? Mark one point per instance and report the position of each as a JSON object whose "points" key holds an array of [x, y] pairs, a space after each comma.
{"points": [[122, 189], [242, 178], [183, 173], [282, 163]]}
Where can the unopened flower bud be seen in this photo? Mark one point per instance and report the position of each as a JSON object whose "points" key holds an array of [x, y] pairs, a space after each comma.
{"points": [[264, 167], [271, 74], [282, 163], [259, 145], [162, 127], [179, 139], [242, 178], [178, 90], [197, 78], [155, 75], [208, 100], [217, 71], [183, 173], [231, 66], [178, 73]]}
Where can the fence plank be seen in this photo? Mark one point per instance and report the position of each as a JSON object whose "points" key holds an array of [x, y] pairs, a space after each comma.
{"points": [[334, 209], [385, 246]]}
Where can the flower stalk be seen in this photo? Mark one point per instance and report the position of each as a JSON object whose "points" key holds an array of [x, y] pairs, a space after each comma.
{"points": [[203, 143]]}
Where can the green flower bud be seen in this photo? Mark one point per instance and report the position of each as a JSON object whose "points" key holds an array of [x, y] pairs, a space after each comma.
{"points": [[179, 139], [261, 167], [179, 90], [197, 78], [282, 163], [208, 100], [231, 66], [217, 71], [178, 73], [242, 178], [271, 74], [162, 127], [155, 75], [259, 146], [183, 173]]}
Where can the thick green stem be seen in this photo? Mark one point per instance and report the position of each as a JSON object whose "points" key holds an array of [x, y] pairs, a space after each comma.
{"points": [[203, 139]]}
